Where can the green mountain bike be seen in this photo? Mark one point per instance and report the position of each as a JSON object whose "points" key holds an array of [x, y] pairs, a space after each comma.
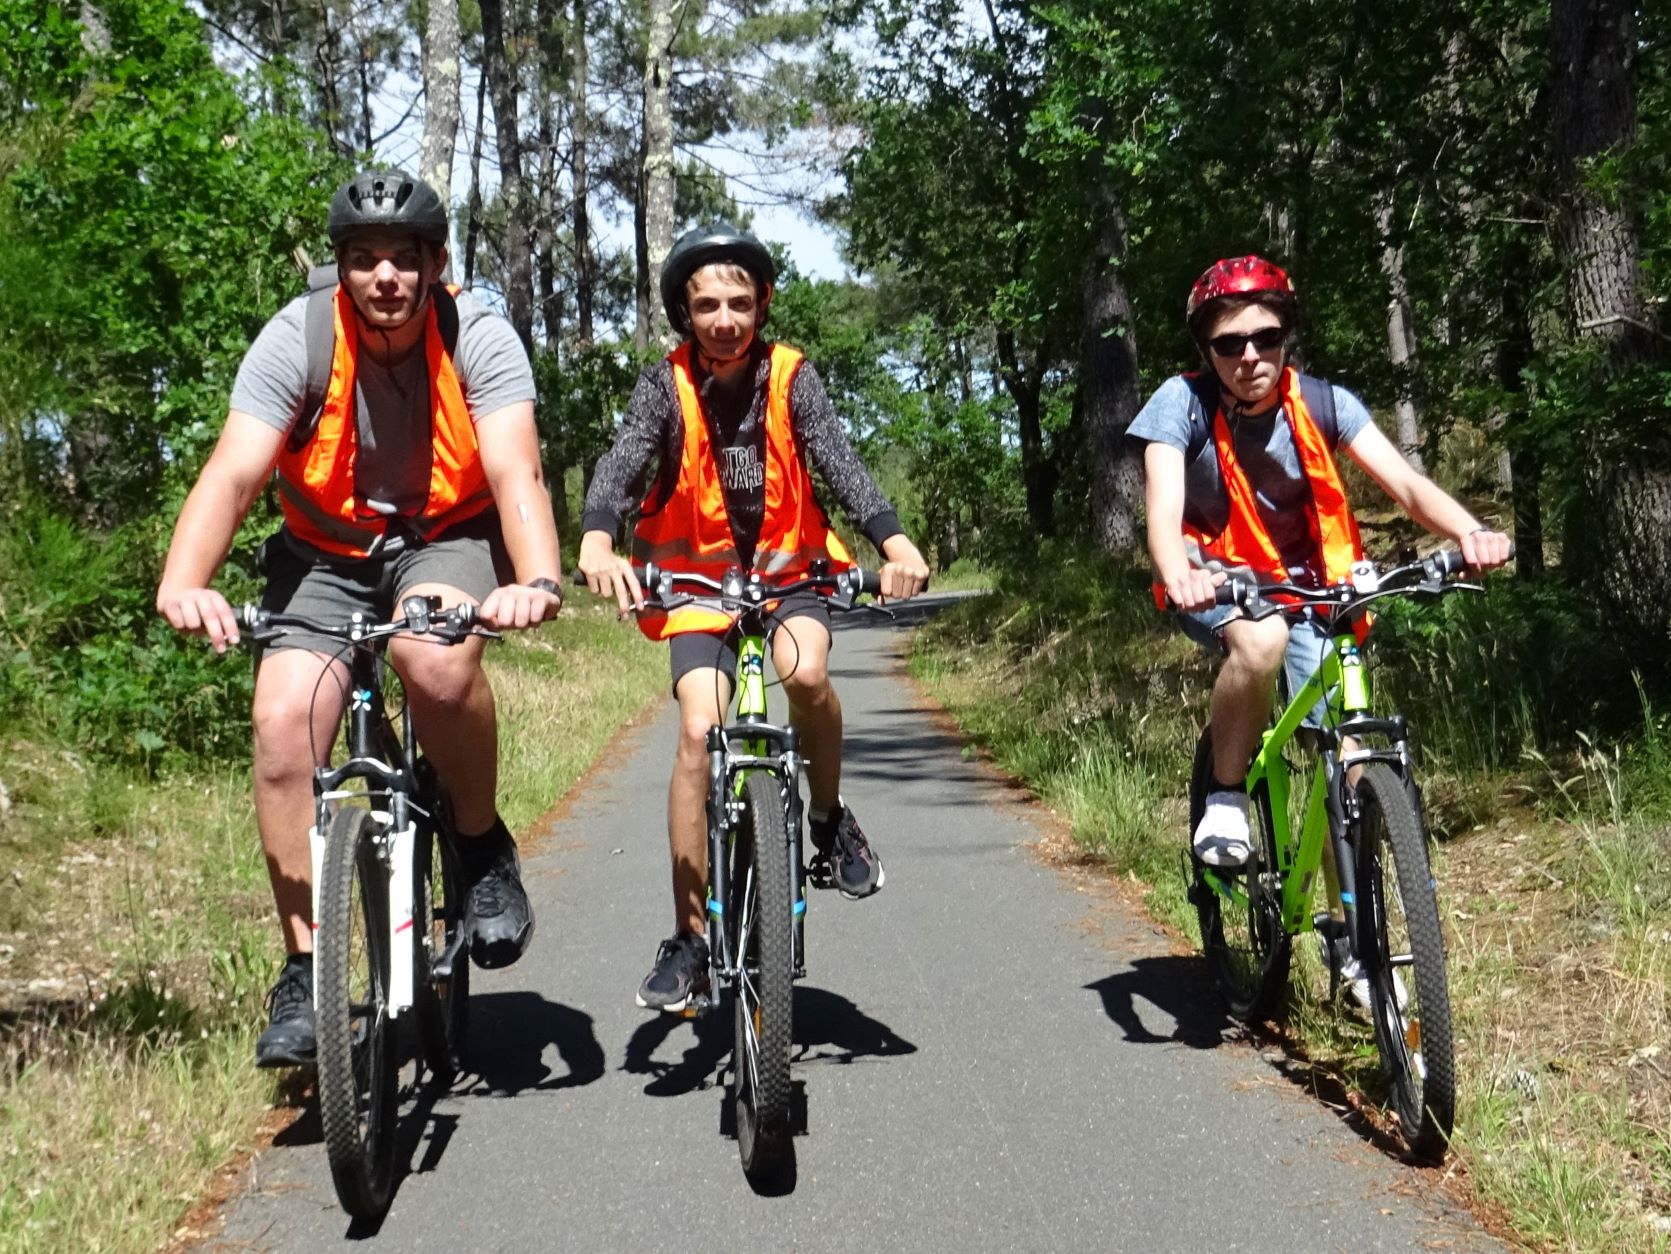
{"points": [[757, 878], [1362, 805]]}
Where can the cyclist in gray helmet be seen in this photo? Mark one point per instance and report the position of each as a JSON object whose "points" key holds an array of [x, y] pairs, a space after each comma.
{"points": [[412, 469], [763, 422]]}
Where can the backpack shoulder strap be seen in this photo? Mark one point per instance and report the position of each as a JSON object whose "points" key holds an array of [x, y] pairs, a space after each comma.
{"points": [[319, 338], [1203, 405], [446, 316], [1319, 400]]}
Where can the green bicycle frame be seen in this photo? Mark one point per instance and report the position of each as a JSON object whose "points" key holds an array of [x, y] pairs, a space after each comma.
{"points": [[1343, 682]]}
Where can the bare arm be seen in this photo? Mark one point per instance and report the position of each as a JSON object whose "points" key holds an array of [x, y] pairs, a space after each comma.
{"points": [[510, 452], [222, 495], [1163, 500], [1426, 502]]}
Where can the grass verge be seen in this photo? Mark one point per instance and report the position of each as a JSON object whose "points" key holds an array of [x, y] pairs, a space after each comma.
{"points": [[1558, 927], [137, 943]]}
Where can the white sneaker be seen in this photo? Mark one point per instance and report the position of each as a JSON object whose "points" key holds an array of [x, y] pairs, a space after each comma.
{"points": [[1222, 837], [1355, 979]]}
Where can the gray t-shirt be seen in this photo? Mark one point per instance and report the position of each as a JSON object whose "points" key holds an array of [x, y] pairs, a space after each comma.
{"points": [[1265, 448], [392, 469]]}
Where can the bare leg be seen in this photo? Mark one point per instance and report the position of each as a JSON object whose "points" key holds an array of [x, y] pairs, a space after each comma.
{"points": [[698, 693], [287, 749], [1241, 699], [801, 654], [454, 715]]}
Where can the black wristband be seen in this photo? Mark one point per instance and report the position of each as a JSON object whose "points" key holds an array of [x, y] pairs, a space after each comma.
{"points": [[547, 585]]}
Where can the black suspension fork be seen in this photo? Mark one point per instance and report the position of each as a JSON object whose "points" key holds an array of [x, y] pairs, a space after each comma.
{"points": [[1342, 810], [719, 825], [790, 781]]}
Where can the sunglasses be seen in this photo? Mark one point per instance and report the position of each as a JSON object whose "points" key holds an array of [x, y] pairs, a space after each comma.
{"points": [[1264, 339]]}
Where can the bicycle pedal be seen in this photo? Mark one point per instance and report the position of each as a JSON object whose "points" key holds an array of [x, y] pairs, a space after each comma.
{"points": [[696, 1004]]}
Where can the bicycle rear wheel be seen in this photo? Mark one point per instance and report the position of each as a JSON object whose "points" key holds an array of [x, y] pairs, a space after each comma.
{"points": [[442, 995], [761, 911], [358, 1055], [1244, 941], [1401, 945]]}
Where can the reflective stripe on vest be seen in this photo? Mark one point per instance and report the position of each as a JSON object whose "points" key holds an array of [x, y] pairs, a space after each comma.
{"points": [[316, 482], [1245, 540], [690, 531]]}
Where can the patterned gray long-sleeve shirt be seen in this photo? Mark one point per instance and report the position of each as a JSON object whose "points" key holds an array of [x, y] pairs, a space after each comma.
{"points": [[736, 412]]}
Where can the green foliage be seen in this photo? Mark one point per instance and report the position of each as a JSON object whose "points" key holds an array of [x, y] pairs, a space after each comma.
{"points": [[89, 663]]}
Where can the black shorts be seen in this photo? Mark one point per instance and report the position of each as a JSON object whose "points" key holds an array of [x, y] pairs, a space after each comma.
{"points": [[694, 650]]}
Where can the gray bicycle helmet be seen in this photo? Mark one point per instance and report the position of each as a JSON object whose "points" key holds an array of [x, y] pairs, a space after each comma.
{"points": [[386, 200], [717, 241]]}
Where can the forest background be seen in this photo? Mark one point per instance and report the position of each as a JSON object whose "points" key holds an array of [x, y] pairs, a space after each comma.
{"points": [[1472, 198]]}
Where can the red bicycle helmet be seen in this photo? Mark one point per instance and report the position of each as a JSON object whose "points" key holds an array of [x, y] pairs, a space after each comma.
{"points": [[1242, 276]]}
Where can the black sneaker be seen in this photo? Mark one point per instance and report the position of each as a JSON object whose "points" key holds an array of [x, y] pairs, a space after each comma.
{"points": [[497, 916], [844, 858], [680, 970], [289, 1040]]}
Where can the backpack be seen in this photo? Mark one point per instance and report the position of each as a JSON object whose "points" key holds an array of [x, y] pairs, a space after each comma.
{"points": [[1206, 503], [319, 335]]}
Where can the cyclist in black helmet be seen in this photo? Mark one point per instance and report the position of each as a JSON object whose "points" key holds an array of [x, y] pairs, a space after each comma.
{"points": [[735, 423], [415, 469]]}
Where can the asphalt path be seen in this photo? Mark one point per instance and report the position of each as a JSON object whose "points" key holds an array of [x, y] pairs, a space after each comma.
{"points": [[996, 1053]]}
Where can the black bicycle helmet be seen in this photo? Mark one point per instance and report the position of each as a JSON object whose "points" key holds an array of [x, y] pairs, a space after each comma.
{"points": [[717, 241], [387, 200]]}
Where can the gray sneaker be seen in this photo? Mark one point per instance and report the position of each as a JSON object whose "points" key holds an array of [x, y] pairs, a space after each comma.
{"points": [[679, 972], [844, 858]]}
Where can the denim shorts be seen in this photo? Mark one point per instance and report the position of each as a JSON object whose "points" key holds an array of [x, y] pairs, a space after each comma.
{"points": [[1307, 640]]}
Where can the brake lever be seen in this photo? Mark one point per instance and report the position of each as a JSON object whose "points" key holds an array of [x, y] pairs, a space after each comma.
{"points": [[870, 607]]}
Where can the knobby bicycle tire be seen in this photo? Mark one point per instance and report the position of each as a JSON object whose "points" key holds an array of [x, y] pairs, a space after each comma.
{"points": [[762, 911], [358, 1057], [1248, 949], [1399, 915], [443, 1005]]}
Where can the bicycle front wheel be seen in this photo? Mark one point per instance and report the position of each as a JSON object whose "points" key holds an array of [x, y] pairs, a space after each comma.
{"points": [[442, 992], [1242, 936], [357, 1040], [1403, 952], [761, 911]]}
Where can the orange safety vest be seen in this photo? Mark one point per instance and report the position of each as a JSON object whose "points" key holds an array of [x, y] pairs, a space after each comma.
{"points": [[316, 481], [1244, 541], [689, 530]]}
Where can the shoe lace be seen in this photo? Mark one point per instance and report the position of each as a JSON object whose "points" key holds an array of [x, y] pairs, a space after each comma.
{"points": [[487, 894], [289, 996]]}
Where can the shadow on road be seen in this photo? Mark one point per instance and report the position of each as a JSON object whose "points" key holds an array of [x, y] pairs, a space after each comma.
{"points": [[1179, 988], [509, 1034], [696, 1068], [830, 1028]]}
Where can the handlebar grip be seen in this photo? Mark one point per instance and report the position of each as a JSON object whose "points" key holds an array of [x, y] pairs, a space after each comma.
{"points": [[1449, 562], [252, 617], [578, 577], [1233, 591], [870, 581], [468, 615]]}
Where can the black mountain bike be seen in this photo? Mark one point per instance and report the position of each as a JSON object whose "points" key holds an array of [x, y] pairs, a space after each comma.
{"points": [[388, 904]]}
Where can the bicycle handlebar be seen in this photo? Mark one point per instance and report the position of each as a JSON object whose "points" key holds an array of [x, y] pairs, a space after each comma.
{"points": [[1366, 584], [420, 616], [747, 588]]}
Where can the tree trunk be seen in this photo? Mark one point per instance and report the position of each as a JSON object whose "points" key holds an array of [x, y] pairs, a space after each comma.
{"points": [[1622, 534], [658, 165], [545, 220], [1594, 107], [441, 100], [1401, 335], [365, 99], [513, 186], [1038, 475], [1108, 383], [473, 228], [580, 130]]}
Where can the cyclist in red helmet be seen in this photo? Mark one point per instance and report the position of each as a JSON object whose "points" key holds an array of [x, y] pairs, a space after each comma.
{"points": [[718, 415], [1239, 459]]}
